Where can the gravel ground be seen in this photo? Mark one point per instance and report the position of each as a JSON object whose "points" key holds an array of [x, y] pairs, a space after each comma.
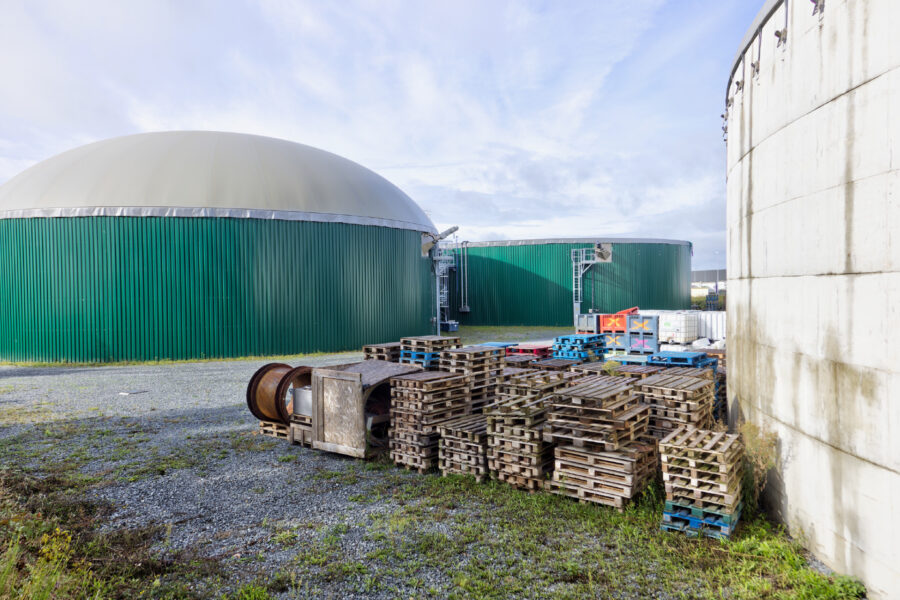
{"points": [[176, 447]]}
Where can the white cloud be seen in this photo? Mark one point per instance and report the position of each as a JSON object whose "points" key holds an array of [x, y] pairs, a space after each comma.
{"points": [[510, 119]]}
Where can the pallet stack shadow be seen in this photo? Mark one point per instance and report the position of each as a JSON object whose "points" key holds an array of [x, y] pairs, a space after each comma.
{"points": [[583, 347], [425, 350], [420, 404], [677, 400], [463, 446], [517, 452], [720, 409], [389, 352], [602, 453], [702, 476], [482, 364]]}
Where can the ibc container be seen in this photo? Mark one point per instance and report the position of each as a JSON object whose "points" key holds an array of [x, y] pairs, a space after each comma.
{"points": [[679, 327]]}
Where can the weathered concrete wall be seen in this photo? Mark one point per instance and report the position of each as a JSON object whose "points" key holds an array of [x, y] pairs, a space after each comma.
{"points": [[814, 274]]}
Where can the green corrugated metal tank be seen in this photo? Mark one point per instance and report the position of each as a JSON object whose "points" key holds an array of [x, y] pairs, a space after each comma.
{"points": [[529, 282], [181, 245]]}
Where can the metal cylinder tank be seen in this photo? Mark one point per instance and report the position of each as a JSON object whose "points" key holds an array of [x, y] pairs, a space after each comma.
{"points": [[529, 282], [813, 180], [183, 245]]}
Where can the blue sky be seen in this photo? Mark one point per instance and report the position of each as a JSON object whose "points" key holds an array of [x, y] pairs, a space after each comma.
{"points": [[509, 119]]}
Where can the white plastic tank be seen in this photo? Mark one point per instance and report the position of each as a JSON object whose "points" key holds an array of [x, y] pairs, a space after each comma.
{"points": [[813, 180]]}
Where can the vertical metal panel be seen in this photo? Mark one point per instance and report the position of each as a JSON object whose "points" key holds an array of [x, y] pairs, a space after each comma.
{"points": [[532, 284], [102, 289]]}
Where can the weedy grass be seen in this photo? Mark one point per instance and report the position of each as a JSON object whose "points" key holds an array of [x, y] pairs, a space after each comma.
{"points": [[476, 334], [492, 541], [50, 546]]}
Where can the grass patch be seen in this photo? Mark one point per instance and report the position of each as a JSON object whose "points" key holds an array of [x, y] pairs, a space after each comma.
{"points": [[50, 547], [472, 335], [492, 541]]}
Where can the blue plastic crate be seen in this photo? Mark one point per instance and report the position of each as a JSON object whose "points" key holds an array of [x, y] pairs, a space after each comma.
{"points": [[616, 341], [643, 324]]}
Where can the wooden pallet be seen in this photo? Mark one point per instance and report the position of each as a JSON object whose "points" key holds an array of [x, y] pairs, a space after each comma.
{"points": [[278, 431], [697, 373], [389, 352], [429, 381], [556, 364], [584, 495], [519, 359], [706, 494], [701, 445], [676, 387], [472, 428], [531, 484], [429, 343]]}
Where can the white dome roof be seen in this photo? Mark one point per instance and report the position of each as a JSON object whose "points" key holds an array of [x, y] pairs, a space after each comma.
{"points": [[208, 174]]}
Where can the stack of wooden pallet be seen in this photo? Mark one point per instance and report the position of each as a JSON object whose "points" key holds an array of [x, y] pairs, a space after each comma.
{"points": [[702, 472], [555, 364], [676, 401], [463, 446], [425, 350], [517, 453], [602, 453], [420, 404], [389, 352], [484, 367], [638, 371], [520, 360]]}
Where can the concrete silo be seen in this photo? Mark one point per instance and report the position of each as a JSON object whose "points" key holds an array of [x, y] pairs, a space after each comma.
{"points": [[813, 167], [200, 244], [529, 282]]}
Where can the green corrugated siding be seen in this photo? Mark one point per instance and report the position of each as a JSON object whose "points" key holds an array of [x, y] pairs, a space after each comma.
{"points": [[104, 289], [532, 284]]}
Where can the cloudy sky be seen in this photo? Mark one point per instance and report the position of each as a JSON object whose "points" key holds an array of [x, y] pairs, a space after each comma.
{"points": [[510, 119]]}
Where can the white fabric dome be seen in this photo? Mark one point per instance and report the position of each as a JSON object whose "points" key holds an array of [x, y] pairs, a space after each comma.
{"points": [[208, 174]]}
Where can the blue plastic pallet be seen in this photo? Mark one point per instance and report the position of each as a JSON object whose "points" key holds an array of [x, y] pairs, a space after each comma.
{"points": [[710, 514], [712, 363], [691, 532], [578, 347], [630, 359], [677, 359], [576, 355], [579, 338], [683, 520], [420, 355], [499, 344]]}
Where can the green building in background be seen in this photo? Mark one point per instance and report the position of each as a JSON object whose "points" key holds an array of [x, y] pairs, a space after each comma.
{"points": [[183, 245], [529, 282]]}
